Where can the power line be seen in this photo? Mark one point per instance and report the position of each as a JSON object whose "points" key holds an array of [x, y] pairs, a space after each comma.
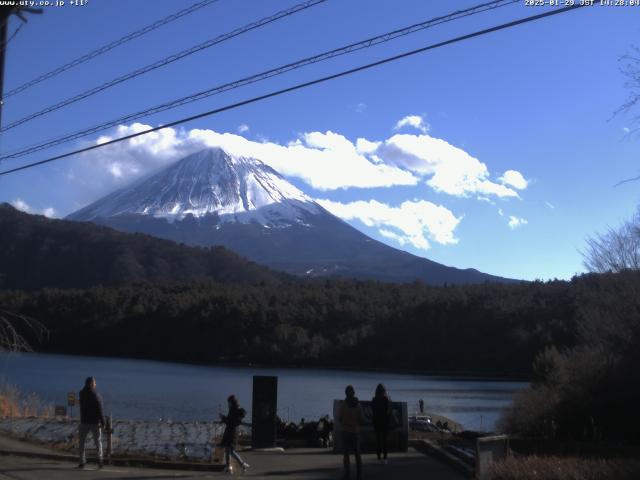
{"points": [[167, 60], [15, 32], [369, 42], [300, 86], [110, 46]]}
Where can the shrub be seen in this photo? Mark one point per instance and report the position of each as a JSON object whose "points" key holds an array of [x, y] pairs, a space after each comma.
{"points": [[557, 468]]}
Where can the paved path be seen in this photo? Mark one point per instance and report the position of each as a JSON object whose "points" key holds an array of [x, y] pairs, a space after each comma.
{"points": [[294, 464]]}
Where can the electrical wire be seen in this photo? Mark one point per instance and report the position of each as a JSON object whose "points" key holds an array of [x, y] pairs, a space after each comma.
{"points": [[15, 32], [166, 61], [300, 86], [110, 46], [369, 42]]}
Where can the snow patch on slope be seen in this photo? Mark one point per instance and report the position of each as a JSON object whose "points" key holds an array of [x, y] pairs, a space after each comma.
{"points": [[210, 182]]}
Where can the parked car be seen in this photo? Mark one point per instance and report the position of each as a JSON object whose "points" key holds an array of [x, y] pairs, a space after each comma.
{"points": [[422, 423]]}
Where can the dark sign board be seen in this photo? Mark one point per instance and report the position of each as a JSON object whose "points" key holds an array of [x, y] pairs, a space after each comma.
{"points": [[265, 404], [398, 440], [60, 411]]}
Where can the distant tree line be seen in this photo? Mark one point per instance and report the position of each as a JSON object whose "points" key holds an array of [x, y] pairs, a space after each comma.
{"points": [[490, 329]]}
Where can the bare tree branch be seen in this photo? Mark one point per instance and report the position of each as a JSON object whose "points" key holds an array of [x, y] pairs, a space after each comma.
{"points": [[10, 337], [630, 68], [621, 182], [616, 250]]}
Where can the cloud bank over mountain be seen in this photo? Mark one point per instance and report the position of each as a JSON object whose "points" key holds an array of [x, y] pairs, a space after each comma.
{"points": [[323, 160], [328, 162]]}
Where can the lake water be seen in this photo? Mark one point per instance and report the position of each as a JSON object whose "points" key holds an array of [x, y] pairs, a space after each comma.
{"points": [[149, 390]]}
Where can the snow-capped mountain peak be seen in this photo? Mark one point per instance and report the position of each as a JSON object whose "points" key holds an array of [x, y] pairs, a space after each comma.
{"points": [[210, 182]]}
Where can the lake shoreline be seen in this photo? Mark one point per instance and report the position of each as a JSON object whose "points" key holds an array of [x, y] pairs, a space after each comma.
{"points": [[137, 389], [440, 375]]}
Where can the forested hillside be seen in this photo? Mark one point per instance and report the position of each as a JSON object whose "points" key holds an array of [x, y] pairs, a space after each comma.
{"points": [[492, 329], [38, 252]]}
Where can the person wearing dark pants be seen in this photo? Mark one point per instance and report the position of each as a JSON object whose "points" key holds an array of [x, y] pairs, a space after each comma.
{"points": [[91, 420], [230, 436], [381, 406], [350, 417]]}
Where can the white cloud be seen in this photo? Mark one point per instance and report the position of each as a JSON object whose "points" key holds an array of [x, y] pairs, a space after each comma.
{"points": [[415, 121], [514, 179], [101, 171], [515, 222], [413, 222], [49, 212], [451, 169], [550, 205], [22, 205], [485, 199], [365, 146], [500, 212], [25, 207], [626, 129], [243, 128], [393, 236], [324, 160], [360, 107], [132, 158]]}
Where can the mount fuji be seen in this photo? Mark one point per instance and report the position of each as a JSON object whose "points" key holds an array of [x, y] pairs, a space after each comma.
{"points": [[214, 198]]}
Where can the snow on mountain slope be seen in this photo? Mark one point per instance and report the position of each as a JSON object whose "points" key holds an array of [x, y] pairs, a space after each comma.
{"points": [[209, 182]]}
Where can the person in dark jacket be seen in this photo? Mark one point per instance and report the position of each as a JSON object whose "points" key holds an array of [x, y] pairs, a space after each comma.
{"points": [[230, 436], [381, 406], [91, 419], [350, 418]]}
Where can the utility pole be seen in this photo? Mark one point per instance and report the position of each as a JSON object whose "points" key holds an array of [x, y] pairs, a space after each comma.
{"points": [[4, 26], [5, 13]]}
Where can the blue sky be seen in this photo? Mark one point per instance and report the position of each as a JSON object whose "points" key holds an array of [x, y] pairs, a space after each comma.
{"points": [[506, 159]]}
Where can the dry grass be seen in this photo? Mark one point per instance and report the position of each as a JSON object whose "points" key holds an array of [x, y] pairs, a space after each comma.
{"points": [[562, 468], [15, 404]]}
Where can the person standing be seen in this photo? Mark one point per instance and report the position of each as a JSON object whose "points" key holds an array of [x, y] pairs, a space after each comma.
{"points": [[381, 406], [230, 436], [350, 417], [421, 405], [91, 420]]}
